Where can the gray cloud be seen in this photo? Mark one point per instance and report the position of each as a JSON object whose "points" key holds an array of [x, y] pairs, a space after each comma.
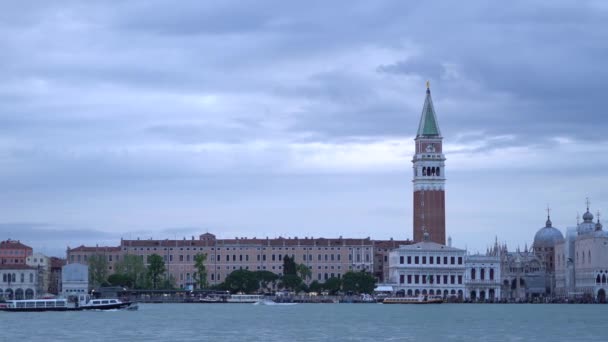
{"points": [[152, 106]]}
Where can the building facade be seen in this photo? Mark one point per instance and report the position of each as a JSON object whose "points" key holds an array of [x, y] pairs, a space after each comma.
{"points": [[41, 263], [428, 268], [326, 258], [483, 278], [429, 177], [18, 281], [13, 252], [74, 279], [581, 261]]}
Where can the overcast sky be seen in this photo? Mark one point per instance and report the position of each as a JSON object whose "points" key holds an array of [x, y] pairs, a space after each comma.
{"points": [[169, 119]]}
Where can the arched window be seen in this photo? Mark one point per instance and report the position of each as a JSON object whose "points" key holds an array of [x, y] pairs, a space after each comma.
{"points": [[482, 274], [432, 171], [597, 279], [604, 279], [31, 277], [437, 173], [491, 274], [424, 171], [472, 274]]}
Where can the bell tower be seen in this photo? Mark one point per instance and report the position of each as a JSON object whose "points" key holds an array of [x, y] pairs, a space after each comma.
{"points": [[429, 176]]}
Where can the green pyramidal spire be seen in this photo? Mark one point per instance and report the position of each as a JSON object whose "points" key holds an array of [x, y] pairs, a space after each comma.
{"points": [[428, 121]]}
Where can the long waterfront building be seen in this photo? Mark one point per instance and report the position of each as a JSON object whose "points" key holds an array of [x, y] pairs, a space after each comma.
{"points": [[326, 258]]}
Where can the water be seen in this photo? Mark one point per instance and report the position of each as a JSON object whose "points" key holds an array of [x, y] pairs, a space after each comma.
{"points": [[314, 322]]}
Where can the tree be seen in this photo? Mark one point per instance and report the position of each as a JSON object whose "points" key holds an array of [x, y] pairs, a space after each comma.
{"points": [[118, 279], [315, 286], [98, 270], [265, 278], [156, 268], [289, 266], [201, 270], [132, 267], [167, 283], [304, 271], [241, 281], [332, 285], [358, 282], [291, 282]]}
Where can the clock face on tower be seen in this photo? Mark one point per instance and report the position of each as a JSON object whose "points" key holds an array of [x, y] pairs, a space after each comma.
{"points": [[430, 148]]}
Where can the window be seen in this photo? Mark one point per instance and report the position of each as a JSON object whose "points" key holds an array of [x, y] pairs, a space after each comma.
{"points": [[452, 260], [409, 278], [459, 279], [416, 260], [181, 258], [424, 279], [438, 260], [273, 257], [482, 274], [459, 260], [445, 260], [452, 279], [409, 259], [424, 260], [401, 259], [491, 274], [431, 260], [472, 274], [445, 279], [402, 279], [416, 279]]}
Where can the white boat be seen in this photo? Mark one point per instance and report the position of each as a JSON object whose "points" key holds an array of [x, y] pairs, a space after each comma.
{"points": [[244, 299], [82, 302], [422, 299]]}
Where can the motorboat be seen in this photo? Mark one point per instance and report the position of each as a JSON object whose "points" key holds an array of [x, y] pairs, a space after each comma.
{"points": [[77, 303], [273, 303]]}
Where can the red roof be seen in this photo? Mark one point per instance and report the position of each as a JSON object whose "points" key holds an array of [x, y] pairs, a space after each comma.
{"points": [[13, 244]]}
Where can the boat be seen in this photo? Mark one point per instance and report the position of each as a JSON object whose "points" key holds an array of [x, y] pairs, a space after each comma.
{"points": [[422, 299], [82, 303], [273, 303], [209, 300], [244, 299], [34, 305], [107, 304]]}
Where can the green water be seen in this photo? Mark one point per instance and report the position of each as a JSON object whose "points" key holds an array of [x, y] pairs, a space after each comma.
{"points": [[314, 322]]}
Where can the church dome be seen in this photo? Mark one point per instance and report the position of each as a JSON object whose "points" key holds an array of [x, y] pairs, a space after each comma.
{"points": [[587, 217], [547, 236]]}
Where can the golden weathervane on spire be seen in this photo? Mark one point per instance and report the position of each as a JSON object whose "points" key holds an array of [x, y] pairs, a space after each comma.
{"points": [[428, 85]]}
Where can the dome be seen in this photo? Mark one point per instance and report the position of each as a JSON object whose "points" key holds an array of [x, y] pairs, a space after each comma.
{"points": [[587, 217], [547, 237]]}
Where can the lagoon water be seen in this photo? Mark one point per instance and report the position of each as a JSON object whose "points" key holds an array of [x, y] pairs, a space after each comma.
{"points": [[315, 322]]}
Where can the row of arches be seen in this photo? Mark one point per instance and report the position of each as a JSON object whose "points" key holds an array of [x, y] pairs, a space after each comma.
{"points": [[482, 295], [600, 280], [10, 294], [431, 171]]}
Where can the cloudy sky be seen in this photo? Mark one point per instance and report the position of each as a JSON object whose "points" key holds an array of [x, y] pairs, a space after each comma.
{"points": [[168, 119]]}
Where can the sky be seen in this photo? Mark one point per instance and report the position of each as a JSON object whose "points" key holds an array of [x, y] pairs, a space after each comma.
{"points": [[163, 119]]}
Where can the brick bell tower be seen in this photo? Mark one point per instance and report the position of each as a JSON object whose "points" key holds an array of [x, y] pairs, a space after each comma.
{"points": [[429, 176]]}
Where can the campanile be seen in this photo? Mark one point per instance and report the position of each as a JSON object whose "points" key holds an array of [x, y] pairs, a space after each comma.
{"points": [[429, 176]]}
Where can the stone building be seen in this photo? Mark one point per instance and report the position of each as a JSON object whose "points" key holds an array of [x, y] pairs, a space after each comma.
{"points": [[543, 247], [74, 279], [428, 268], [483, 278], [581, 261], [41, 263], [14, 252], [326, 258], [18, 281]]}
